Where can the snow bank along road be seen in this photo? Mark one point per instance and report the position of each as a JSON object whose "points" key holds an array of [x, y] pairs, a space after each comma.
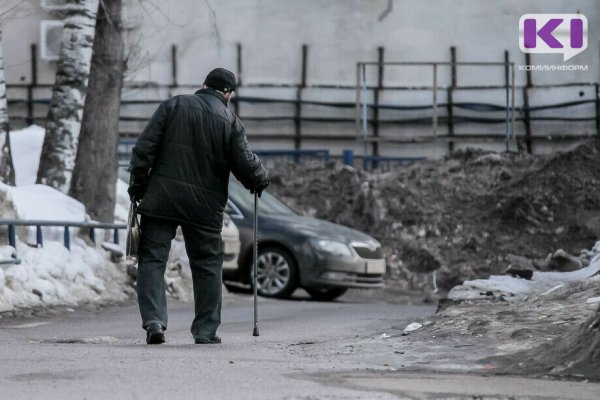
{"points": [[305, 351]]}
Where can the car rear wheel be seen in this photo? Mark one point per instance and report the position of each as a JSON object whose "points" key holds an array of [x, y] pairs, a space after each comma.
{"points": [[326, 294], [277, 274]]}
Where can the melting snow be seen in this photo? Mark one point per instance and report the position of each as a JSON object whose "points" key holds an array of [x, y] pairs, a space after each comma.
{"points": [[510, 287], [53, 275]]}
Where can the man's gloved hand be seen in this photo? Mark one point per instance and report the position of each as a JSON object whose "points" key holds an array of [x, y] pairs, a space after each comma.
{"points": [[136, 191], [259, 189]]}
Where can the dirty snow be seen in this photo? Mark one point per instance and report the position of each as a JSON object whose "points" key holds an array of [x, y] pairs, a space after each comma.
{"points": [[517, 288], [593, 300], [412, 327], [53, 275]]}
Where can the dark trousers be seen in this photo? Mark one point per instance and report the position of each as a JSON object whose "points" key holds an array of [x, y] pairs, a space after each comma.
{"points": [[205, 251]]}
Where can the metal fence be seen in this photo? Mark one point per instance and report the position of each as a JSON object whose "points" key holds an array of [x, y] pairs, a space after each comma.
{"points": [[362, 106], [28, 101], [11, 225]]}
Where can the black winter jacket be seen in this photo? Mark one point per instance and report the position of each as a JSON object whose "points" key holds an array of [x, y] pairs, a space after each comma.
{"points": [[185, 155]]}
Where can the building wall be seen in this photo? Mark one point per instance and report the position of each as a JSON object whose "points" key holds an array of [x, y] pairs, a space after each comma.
{"points": [[338, 34], [341, 32]]}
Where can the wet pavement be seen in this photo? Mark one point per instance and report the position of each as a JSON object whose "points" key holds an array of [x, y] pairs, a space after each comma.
{"points": [[307, 350]]}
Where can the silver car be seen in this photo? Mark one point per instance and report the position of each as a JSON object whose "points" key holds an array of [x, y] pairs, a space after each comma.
{"points": [[231, 244]]}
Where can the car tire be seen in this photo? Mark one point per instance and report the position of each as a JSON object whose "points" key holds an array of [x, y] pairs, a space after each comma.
{"points": [[325, 294], [277, 273]]}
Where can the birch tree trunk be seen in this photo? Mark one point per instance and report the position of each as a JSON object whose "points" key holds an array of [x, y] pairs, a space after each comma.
{"points": [[96, 166], [7, 171], [64, 117]]}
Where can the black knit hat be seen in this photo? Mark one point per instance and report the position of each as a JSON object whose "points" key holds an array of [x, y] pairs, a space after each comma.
{"points": [[221, 79]]}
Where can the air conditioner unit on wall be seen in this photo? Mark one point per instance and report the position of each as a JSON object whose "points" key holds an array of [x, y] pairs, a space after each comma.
{"points": [[53, 5], [50, 39]]}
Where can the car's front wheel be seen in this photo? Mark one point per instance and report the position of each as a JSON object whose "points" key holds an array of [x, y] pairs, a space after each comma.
{"points": [[326, 294], [277, 273]]}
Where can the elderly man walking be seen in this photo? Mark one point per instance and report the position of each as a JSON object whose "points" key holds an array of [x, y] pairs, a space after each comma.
{"points": [[180, 170]]}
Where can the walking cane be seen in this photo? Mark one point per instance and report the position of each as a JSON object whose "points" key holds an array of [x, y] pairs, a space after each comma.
{"points": [[255, 265]]}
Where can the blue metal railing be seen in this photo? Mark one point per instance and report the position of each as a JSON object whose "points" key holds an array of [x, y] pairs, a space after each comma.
{"points": [[11, 261], [92, 226]]}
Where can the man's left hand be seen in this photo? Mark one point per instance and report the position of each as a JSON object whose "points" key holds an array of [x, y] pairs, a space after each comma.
{"points": [[259, 189]]}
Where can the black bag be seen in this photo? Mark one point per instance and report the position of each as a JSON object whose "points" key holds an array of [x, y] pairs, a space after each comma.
{"points": [[133, 233]]}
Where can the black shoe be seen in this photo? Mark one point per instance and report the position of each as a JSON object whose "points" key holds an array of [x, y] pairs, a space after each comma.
{"points": [[214, 339], [155, 334]]}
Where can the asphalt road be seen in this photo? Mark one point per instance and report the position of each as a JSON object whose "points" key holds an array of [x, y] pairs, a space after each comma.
{"points": [[305, 351]]}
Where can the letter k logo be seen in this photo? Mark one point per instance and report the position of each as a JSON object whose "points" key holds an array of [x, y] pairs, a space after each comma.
{"points": [[545, 33]]}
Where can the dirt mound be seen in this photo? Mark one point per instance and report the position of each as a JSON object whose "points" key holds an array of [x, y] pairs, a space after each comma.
{"points": [[460, 215], [574, 353], [553, 333], [557, 202]]}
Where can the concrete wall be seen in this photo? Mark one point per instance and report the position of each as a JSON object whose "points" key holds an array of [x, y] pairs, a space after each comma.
{"points": [[339, 33]]}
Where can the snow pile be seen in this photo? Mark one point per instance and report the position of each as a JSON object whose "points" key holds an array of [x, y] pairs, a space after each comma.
{"points": [[43, 203], [510, 287], [53, 275], [26, 146]]}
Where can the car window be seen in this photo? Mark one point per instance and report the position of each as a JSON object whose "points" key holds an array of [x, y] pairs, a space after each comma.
{"points": [[268, 204]]}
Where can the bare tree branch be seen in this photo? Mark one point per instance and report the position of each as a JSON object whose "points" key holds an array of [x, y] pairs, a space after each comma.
{"points": [[215, 26], [388, 10], [161, 12]]}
